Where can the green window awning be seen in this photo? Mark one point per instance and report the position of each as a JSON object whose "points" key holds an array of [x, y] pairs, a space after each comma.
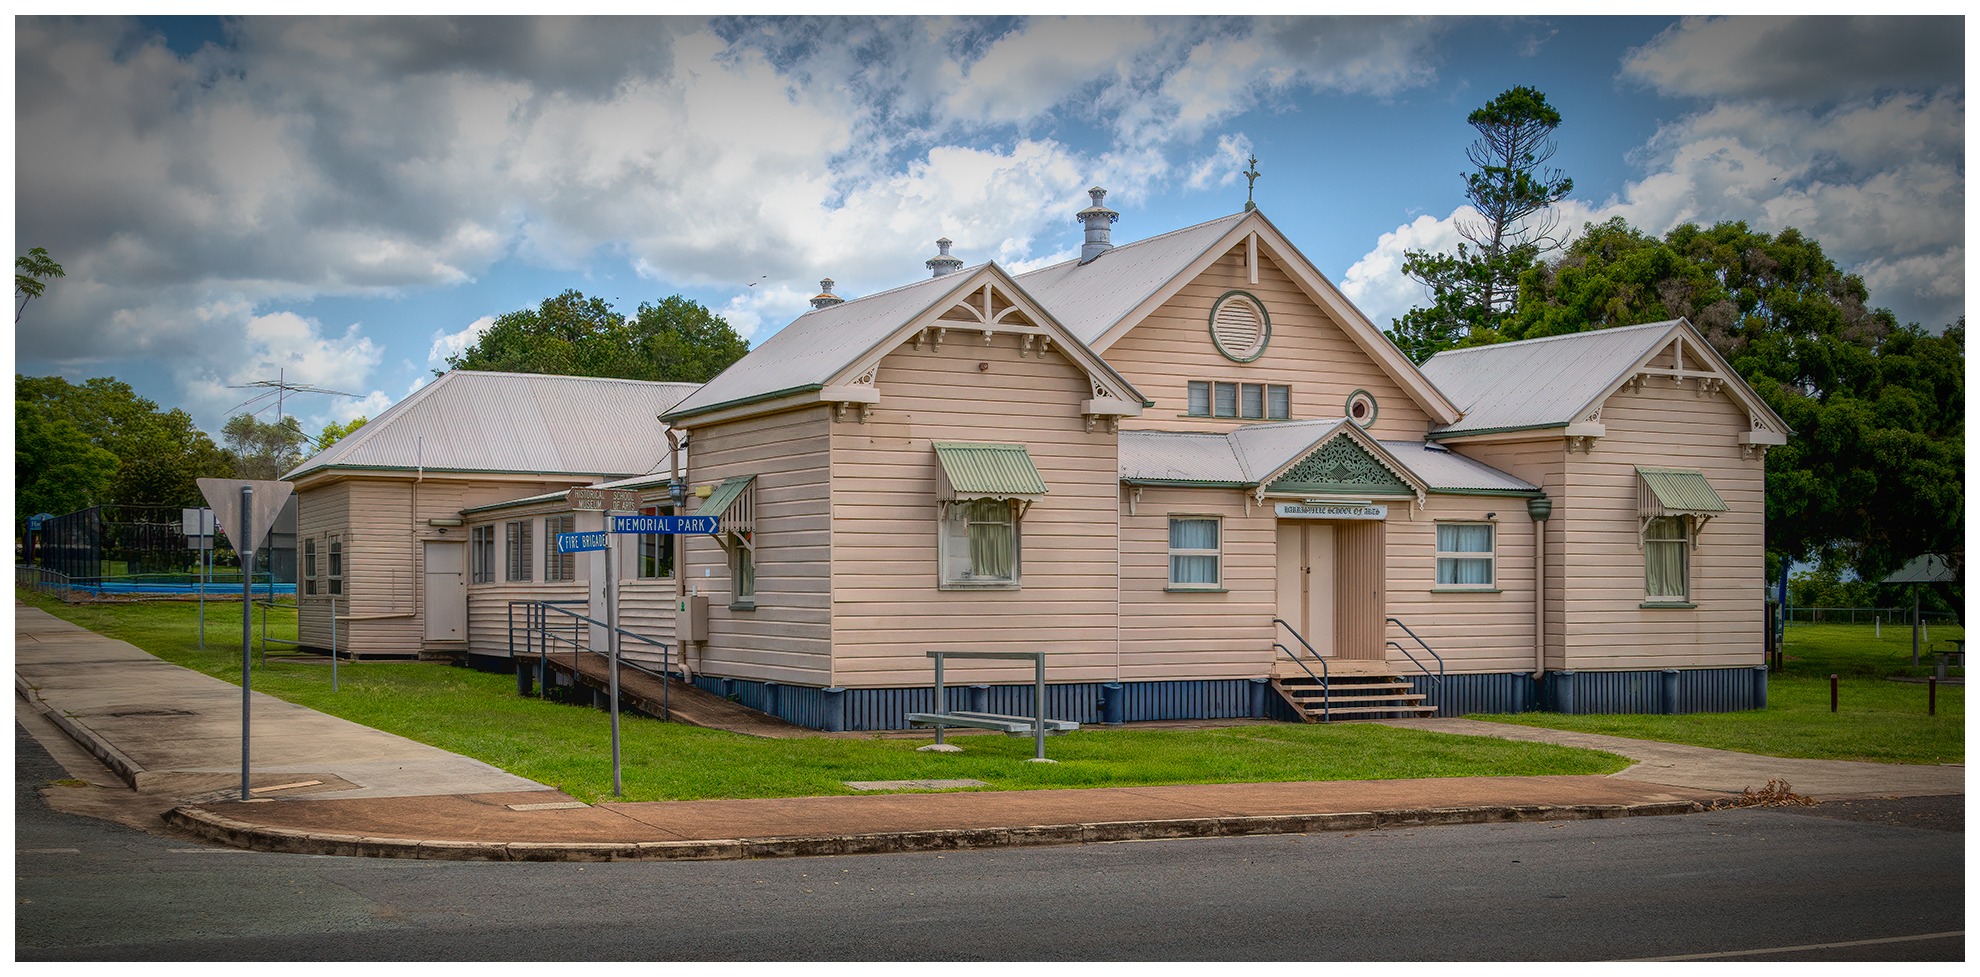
{"points": [[1678, 492], [723, 504], [975, 470]]}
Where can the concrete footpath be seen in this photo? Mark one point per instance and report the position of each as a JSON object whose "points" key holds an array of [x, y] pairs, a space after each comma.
{"points": [[322, 785]]}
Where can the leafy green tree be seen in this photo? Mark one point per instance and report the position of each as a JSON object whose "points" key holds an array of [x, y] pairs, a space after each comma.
{"points": [[334, 432], [1474, 289], [572, 335], [57, 469], [30, 270], [159, 454], [1874, 472], [263, 449]]}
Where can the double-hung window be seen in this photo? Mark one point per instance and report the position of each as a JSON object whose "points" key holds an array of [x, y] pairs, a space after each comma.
{"points": [[656, 551], [980, 543], [516, 551], [336, 565], [481, 554], [1195, 554], [1667, 559], [558, 566], [1466, 558], [309, 566]]}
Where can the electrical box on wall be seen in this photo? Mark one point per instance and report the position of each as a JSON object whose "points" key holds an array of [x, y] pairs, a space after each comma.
{"points": [[691, 621]]}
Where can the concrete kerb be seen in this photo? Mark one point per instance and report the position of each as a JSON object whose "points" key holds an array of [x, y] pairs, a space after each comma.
{"points": [[123, 766], [219, 828]]}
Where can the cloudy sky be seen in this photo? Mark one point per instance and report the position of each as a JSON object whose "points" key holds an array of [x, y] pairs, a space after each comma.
{"points": [[346, 201]]}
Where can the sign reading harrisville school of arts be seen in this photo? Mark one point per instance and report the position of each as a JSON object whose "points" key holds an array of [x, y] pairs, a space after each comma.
{"points": [[666, 525], [596, 499], [580, 542], [1309, 510]]}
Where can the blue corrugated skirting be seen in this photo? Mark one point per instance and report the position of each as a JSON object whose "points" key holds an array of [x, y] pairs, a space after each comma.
{"points": [[1666, 691]]}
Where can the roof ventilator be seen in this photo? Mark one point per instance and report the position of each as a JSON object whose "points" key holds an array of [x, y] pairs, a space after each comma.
{"points": [[944, 263], [825, 299], [1098, 220]]}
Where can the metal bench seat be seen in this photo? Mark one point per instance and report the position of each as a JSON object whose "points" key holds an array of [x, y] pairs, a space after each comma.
{"points": [[1009, 725]]}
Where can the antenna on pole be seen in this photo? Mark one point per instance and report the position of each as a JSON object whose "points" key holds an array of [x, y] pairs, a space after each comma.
{"points": [[281, 386]]}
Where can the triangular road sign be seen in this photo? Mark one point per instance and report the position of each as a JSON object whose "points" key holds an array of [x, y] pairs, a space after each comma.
{"points": [[224, 495]]}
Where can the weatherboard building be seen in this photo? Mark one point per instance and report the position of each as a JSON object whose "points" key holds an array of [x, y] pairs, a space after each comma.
{"points": [[1186, 469]]}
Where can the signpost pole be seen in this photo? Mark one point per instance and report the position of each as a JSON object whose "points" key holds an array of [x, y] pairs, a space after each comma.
{"points": [[246, 551], [205, 572], [612, 646]]}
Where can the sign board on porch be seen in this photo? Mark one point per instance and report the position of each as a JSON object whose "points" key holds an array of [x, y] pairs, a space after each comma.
{"points": [[597, 499], [580, 542], [1316, 510], [666, 525]]}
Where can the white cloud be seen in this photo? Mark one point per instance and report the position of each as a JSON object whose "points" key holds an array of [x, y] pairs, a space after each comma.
{"points": [[451, 344]]}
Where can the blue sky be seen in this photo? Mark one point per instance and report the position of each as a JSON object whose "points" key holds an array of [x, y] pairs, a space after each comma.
{"points": [[346, 200]]}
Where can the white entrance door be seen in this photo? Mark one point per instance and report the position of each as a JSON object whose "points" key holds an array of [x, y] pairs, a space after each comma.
{"points": [[1307, 582], [446, 592]]}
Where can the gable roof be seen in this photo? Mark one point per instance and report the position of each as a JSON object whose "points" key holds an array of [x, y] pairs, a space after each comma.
{"points": [[1105, 298], [480, 421], [1090, 298], [831, 345], [1538, 382], [1553, 381]]}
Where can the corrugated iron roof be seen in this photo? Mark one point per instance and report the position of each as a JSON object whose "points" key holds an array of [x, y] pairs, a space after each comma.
{"points": [[1445, 470], [472, 420], [1679, 491], [1168, 456], [1538, 382], [977, 469], [1089, 299], [820, 343]]}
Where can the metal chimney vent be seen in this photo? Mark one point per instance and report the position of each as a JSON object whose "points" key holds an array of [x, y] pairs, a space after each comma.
{"points": [[1098, 220], [943, 263], [825, 299]]}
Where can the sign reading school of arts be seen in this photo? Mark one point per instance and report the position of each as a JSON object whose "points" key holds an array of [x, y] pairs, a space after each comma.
{"points": [[1311, 510]]}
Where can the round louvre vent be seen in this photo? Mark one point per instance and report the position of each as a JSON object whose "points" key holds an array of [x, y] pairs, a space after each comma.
{"points": [[1361, 408], [1239, 327]]}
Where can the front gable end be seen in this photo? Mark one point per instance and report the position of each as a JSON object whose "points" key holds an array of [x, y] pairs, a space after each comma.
{"points": [[1251, 311], [1684, 362], [988, 311]]}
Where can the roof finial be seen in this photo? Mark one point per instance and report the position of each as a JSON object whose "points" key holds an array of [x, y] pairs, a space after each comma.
{"points": [[1251, 181], [945, 262]]}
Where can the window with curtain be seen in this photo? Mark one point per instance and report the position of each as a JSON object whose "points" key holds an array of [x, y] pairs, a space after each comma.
{"points": [[1194, 553], [742, 573], [656, 552], [481, 554], [980, 543], [517, 551], [1667, 559], [1465, 557], [558, 566]]}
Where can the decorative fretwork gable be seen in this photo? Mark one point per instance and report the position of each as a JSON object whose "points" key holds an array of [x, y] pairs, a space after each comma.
{"points": [[1342, 467]]}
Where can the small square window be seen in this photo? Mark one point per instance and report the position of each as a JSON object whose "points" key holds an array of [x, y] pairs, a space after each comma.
{"points": [[1278, 402], [979, 543], [1195, 558], [1199, 398], [1465, 555], [1252, 402]]}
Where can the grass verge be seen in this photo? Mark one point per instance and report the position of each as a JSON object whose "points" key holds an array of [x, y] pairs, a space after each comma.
{"points": [[1877, 718], [568, 747]]}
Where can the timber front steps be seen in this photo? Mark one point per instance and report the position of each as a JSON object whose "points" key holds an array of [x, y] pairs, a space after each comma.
{"points": [[1353, 691]]}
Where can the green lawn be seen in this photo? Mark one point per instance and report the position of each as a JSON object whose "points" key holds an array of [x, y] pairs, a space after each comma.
{"points": [[1877, 719], [480, 715]]}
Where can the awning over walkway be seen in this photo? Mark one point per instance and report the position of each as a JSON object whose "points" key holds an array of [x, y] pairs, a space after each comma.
{"points": [[978, 470]]}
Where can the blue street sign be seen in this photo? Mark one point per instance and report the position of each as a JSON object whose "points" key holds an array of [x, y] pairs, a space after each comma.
{"points": [[650, 525], [580, 542]]}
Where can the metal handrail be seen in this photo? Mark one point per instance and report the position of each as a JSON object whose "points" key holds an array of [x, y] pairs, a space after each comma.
{"points": [[1439, 677], [1324, 678], [539, 613]]}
